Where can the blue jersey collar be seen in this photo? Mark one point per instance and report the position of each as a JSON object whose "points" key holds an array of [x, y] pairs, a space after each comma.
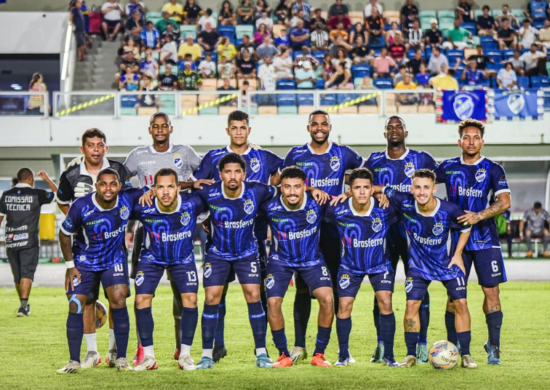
{"points": [[475, 163]]}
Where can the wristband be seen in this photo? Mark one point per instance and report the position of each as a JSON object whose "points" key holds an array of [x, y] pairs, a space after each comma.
{"points": [[69, 264]]}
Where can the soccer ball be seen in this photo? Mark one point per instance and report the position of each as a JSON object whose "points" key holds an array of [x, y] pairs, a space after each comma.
{"points": [[100, 314], [443, 355]]}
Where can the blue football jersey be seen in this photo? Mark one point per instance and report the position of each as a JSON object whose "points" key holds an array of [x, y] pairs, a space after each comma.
{"points": [[363, 236], [169, 236], [431, 240], [260, 164], [295, 232], [232, 220], [325, 171], [472, 187], [98, 242]]}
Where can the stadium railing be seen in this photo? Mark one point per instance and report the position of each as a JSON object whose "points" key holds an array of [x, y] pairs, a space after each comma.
{"points": [[16, 103]]}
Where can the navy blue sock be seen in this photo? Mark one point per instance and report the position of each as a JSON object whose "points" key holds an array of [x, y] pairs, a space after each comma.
{"points": [[464, 339], [220, 329], [256, 316], [323, 337], [144, 317], [424, 314], [122, 330], [494, 323], [376, 317], [209, 323], [343, 329], [279, 339], [450, 325], [411, 339], [387, 328], [302, 310], [189, 321], [263, 298], [75, 332]]}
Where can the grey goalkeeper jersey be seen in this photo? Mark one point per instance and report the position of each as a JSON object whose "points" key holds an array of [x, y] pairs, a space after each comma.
{"points": [[145, 162]]}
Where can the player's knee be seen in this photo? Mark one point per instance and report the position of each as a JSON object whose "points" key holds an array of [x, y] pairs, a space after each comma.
{"points": [[384, 304], [142, 301], [326, 301], [461, 306], [412, 308], [189, 300], [345, 308], [450, 307], [274, 305]]}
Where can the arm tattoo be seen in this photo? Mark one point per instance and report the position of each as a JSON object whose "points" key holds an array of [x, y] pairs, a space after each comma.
{"points": [[495, 209], [410, 325]]}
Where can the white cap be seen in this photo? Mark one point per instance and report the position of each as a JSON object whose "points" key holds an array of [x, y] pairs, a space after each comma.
{"points": [[434, 20]]}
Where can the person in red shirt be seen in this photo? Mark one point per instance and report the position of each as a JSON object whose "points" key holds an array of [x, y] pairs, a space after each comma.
{"points": [[339, 18], [397, 50]]}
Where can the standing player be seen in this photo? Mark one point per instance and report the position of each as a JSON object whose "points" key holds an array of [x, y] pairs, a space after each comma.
{"points": [[430, 224], [21, 208], [261, 166], [325, 164], [363, 226], [295, 219], [395, 167], [169, 225], [97, 223], [76, 182], [472, 180]]}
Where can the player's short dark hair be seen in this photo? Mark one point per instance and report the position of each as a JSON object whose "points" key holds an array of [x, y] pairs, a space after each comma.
{"points": [[292, 172], [232, 158], [108, 171], [24, 174], [471, 123], [14, 181], [157, 114], [93, 133], [237, 115], [166, 172], [424, 174], [318, 112], [537, 205], [485, 7], [360, 173], [398, 118]]}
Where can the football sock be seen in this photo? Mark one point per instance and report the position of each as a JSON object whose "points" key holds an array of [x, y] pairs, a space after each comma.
{"points": [[387, 328], [209, 323], [411, 339], [144, 317], [263, 298], [424, 314], [185, 350], [149, 351], [494, 323], [376, 317], [91, 342], [302, 311], [323, 337], [279, 339], [122, 330], [256, 316], [24, 303], [450, 325], [112, 340], [464, 339], [220, 329], [545, 243], [343, 329], [75, 330], [189, 321]]}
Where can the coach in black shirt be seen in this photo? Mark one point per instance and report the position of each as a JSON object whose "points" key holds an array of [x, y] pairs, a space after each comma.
{"points": [[433, 35], [414, 63], [485, 23]]}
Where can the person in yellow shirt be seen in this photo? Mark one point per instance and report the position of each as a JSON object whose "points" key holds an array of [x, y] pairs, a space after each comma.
{"points": [[175, 10], [226, 49], [406, 98], [189, 47], [445, 81]]}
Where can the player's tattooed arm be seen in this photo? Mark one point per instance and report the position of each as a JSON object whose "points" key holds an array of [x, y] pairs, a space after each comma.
{"points": [[502, 204], [197, 185]]}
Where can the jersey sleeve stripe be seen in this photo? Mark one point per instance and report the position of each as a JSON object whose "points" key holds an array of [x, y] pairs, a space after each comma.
{"points": [[466, 230], [66, 232], [502, 191], [2, 215], [63, 202]]}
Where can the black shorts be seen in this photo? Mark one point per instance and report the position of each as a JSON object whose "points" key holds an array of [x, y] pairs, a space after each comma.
{"points": [[80, 37], [112, 23], [23, 263]]}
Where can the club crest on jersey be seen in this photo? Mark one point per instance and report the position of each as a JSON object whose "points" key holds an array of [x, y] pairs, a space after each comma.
{"points": [[178, 162], [311, 216], [269, 281], [409, 169], [344, 281], [377, 225], [185, 218], [248, 206], [335, 163], [124, 213], [140, 277], [207, 270], [408, 285], [480, 175], [437, 229], [255, 165]]}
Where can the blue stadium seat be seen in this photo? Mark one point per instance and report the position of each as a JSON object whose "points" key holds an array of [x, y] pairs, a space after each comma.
{"points": [[127, 101], [494, 54], [428, 52], [287, 99], [286, 84], [453, 55], [494, 67], [376, 52], [540, 82], [489, 46], [458, 74], [470, 26], [319, 55], [383, 83], [427, 14], [523, 82], [377, 43], [486, 39], [305, 100], [320, 84], [360, 70], [343, 97], [486, 83], [295, 54], [328, 99], [508, 53], [227, 31]]}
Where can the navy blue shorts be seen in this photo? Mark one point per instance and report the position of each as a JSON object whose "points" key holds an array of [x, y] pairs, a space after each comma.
{"points": [[349, 283], [117, 274], [489, 266], [149, 274], [216, 270], [279, 275], [416, 288]]}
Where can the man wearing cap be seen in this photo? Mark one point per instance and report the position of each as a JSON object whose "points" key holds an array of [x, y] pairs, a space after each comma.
{"points": [[319, 38], [305, 77], [434, 37]]}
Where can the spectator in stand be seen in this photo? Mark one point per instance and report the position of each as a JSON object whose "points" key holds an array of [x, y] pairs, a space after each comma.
{"points": [[150, 37], [207, 17], [392, 33], [341, 56], [226, 49], [300, 5], [486, 24], [445, 81], [129, 81], [341, 79], [319, 38], [283, 65], [338, 34], [335, 20], [536, 219], [464, 11], [266, 20], [338, 8], [227, 87], [129, 61], [299, 16], [527, 34], [375, 24], [189, 47], [146, 85], [316, 20], [406, 99], [506, 77], [135, 5], [505, 36], [266, 49], [398, 51], [437, 61], [415, 38], [544, 34], [299, 36], [79, 31], [175, 10], [457, 37], [208, 39], [506, 14], [409, 13], [261, 7], [130, 46], [517, 63], [261, 34], [243, 94], [135, 20], [434, 37], [168, 81], [189, 80], [358, 31], [191, 12], [112, 19], [226, 69], [169, 52], [207, 67], [162, 25], [246, 66], [414, 63], [246, 45], [305, 77], [282, 11], [149, 64], [382, 65], [360, 52], [480, 58], [283, 40], [305, 55], [535, 62], [328, 68], [135, 34], [172, 33], [35, 104], [400, 75], [536, 10], [366, 84], [472, 75], [369, 7], [245, 13], [227, 15], [423, 77], [266, 74]]}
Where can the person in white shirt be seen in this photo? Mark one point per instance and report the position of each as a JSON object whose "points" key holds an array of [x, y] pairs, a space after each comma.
{"points": [[207, 18], [535, 62], [506, 78], [266, 74], [226, 69], [169, 51], [283, 65], [135, 5], [207, 67], [528, 34], [264, 20], [368, 8], [112, 17]]}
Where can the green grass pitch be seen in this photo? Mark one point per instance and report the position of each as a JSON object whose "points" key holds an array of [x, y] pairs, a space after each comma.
{"points": [[31, 349]]}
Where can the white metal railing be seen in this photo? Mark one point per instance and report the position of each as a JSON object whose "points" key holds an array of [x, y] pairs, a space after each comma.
{"points": [[68, 60], [11, 108]]}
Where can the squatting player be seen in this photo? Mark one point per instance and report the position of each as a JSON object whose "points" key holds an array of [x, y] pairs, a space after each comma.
{"points": [[97, 223], [363, 226], [472, 182], [395, 167], [434, 254]]}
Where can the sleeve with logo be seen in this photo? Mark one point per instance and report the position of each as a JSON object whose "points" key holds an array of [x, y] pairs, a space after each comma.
{"points": [[45, 197], [65, 192], [498, 180], [73, 219], [352, 159], [396, 198]]}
